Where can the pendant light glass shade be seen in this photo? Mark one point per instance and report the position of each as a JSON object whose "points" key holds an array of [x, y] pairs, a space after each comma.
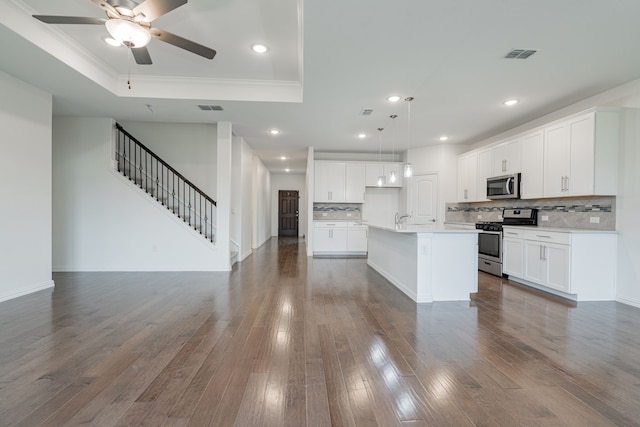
{"points": [[392, 174], [408, 167], [381, 178]]}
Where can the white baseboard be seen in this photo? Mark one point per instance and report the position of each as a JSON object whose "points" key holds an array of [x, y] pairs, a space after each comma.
{"points": [[26, 290], [140, 268], [245, 255], [629, 301]]}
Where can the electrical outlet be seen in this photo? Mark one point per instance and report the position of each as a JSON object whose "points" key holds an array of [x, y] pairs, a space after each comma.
{"points": [[594, 220], [479, 216], [324, 214], [545, 218], [500, 217], [348, 214]]}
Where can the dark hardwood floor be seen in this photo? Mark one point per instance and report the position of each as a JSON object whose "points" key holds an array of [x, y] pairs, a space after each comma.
{"points": [[285, 340]]}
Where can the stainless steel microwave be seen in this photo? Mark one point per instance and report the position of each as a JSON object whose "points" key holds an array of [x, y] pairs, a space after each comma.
{"points": [[503, 187]]}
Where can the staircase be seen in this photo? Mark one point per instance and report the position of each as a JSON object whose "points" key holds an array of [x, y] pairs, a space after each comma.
{"points": [[165, 184]]}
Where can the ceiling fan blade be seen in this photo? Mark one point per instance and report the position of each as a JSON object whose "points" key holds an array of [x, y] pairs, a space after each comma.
{"points": [[141, 55], [111, 11], [48, 19], [182, 43], [153, 9]]}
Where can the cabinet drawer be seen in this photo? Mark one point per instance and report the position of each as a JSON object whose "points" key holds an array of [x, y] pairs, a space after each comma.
{"points": [[548, 236], [329, 224], [513, 233]]}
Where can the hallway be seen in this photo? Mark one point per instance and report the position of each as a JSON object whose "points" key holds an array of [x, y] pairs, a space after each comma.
{"points": [[286, 340]]}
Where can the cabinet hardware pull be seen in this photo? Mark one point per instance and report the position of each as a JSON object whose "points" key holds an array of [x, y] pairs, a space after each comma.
{"points": [[512, 232], [541, 235]]}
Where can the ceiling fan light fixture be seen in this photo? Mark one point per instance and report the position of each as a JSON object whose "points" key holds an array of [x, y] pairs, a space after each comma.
{"points": [[111, 41], [128, 33]]}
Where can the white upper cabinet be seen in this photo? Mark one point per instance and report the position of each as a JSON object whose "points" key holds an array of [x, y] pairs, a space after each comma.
{"points": [[339, 182], [580, 155], [468, 177], [376, 169], [532, 165], [485, 170], [329, 181], [507, 157], [354, 182]]}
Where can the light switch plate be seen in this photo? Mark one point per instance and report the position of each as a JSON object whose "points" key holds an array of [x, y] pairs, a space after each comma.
{"points": [[545, 218]]}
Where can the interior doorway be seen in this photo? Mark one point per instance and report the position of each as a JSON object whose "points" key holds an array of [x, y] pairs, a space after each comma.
{"points": [[423, 200], [288, 213]]}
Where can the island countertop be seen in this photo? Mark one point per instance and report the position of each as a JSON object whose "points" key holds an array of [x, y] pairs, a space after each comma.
{"points": [[424, 228]]}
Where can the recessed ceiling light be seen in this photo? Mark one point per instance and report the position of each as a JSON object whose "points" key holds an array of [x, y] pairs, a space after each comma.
{"points": [[393, 98], [287, 170], [274, 131], [510, 102], [362, 135], [444, 138], [112, 41], [259, 48], [283, 158]]}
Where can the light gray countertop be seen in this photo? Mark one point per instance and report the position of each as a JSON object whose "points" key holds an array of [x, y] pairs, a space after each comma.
{"points": [[422, 228], [560, 230]]}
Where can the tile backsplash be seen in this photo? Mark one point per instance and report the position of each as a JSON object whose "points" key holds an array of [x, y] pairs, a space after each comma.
{"points": [[337, 211], [573, 212]]}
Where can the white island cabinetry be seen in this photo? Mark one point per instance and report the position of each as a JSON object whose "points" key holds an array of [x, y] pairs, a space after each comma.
{"points": [[428, 263]]}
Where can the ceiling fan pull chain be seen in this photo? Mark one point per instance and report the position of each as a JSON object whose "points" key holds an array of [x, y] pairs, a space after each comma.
{"points": [[129, 67]]}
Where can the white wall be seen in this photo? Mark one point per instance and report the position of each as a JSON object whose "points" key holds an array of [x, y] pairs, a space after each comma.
{"points": [[189, 148], [103, 222], [294, 182], [25, 170], [439, 159], [261, 192], [381, 205], [627, 208]]}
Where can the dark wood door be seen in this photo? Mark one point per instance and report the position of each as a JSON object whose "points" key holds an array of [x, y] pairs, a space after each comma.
{"points": [[287, 213]]}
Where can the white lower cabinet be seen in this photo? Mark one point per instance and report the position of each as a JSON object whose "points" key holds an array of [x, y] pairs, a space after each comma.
{"points": [[339, 237], [513, 253], [577, 264]]}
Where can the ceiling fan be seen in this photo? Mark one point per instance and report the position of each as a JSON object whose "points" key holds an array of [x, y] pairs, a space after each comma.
{"points": [[129, 23]]}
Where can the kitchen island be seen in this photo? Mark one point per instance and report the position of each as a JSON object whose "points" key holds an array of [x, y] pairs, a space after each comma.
{"points": [[425, 262]]}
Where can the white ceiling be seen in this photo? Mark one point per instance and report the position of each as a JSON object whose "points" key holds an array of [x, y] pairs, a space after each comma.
{"points": [[331, 59]]}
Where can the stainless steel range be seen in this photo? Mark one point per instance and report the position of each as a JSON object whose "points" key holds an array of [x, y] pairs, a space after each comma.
{"points": [[490, 238]]}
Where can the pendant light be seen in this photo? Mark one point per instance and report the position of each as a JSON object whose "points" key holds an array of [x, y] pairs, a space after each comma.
{"points": [[381, 178], [408, 167], [392, 174]]}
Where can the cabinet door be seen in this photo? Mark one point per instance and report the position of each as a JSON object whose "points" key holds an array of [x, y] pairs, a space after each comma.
{"points": [[468, 177], [329, 181], [339, 239], [322, 240], [354, 183], [485, 170], [357, 239], [513, 257], [556, 160], [557, 259], [532, 165], [507, 157], [581, 176], [534, 267]]}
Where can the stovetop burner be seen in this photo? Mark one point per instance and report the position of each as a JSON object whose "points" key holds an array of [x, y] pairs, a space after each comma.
{"points": [[511, 217]]}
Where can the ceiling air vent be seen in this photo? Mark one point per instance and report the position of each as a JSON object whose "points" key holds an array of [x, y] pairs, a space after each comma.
{"points": [[520, 53], [210, 107], [366, 112]]}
